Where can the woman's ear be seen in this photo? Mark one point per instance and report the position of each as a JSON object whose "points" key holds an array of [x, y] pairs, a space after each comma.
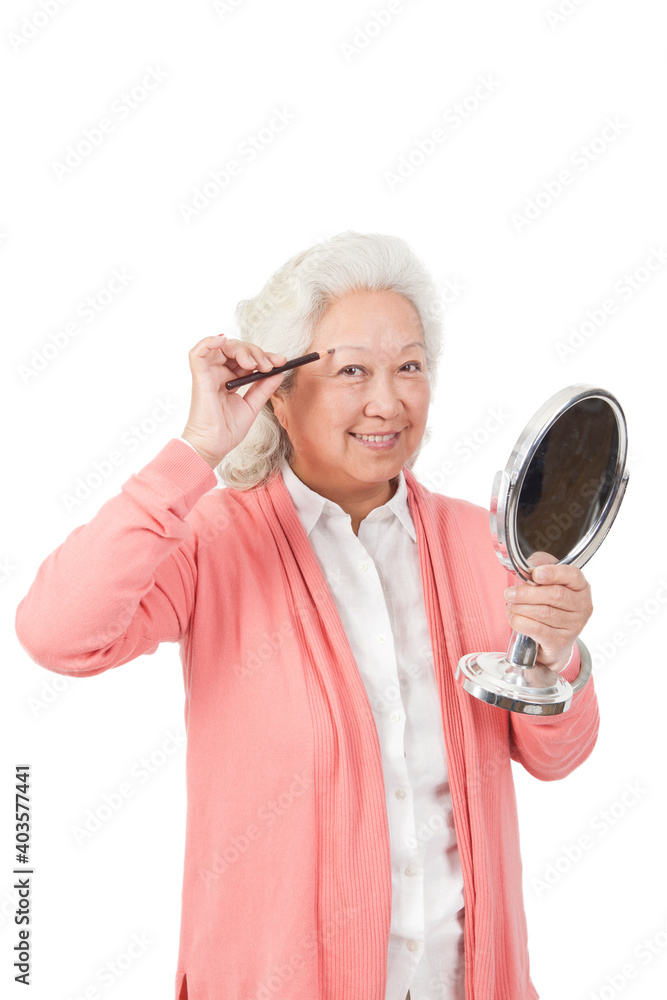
{"points": [[278, 406]]}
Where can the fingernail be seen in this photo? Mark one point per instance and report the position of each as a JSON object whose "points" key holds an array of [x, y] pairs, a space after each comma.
{"points": [[510, 593], [541, 573], [222, 334]]}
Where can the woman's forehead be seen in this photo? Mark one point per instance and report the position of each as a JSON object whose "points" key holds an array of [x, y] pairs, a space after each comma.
{"points": [[359, 323]]}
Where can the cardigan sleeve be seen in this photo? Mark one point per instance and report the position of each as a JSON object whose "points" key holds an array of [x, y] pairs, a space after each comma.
{"points": [[551, 747], [125, 581]]}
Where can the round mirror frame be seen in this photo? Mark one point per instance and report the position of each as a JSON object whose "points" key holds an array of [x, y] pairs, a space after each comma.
{"points": [[508, 483]]}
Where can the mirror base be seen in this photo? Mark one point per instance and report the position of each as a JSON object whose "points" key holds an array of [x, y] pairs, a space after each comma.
{"points": [[491, 678]]}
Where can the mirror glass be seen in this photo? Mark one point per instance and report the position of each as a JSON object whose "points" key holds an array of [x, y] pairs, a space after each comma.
{"points": [[569, 480]]}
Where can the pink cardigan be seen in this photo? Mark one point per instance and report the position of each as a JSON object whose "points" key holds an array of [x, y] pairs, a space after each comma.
{"points": [[287, 883]]}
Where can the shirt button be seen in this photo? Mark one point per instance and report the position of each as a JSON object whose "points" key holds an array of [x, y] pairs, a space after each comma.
{"points": [[410, 870], [363, 565], [400, 793], [413, 945], [395, 716], [381, 638]]}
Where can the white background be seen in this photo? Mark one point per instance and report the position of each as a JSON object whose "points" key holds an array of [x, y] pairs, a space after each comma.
{"points": [[522, 288]]}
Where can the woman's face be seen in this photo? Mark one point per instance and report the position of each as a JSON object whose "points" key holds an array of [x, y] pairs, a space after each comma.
{"points": [[375, 384]]}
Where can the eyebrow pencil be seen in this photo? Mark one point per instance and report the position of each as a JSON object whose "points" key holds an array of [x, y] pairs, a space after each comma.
{"points": [[246, 379]]}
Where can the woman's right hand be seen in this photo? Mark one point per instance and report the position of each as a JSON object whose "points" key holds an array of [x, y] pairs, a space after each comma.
{"points": [[220, 418]]}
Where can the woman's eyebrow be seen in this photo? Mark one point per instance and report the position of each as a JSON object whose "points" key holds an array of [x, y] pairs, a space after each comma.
{"points": [[363, 347]]}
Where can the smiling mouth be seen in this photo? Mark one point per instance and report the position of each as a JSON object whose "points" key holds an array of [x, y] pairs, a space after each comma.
{"points": [[375, 437]]}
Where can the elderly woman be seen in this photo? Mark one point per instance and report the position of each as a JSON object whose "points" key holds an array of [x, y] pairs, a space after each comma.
{"points": [[351, 818]]}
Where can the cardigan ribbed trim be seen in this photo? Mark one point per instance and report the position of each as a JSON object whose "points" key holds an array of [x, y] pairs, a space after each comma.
{"points": [[452, 598]]}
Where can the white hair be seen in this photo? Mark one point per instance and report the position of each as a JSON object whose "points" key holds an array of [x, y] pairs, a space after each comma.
{"points": [[281, 319]]}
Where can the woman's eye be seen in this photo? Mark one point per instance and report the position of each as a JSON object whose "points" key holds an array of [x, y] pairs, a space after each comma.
{"points": [[415, 364]]}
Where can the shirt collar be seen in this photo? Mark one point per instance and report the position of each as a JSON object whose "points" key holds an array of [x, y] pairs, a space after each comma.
{"points": [[311, 506]]}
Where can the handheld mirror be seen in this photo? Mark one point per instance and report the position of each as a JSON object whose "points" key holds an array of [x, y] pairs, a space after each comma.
{"points": [[554, 502]]}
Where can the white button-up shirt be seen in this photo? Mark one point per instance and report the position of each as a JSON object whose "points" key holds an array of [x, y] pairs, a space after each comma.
{"points": [[375, 581]]}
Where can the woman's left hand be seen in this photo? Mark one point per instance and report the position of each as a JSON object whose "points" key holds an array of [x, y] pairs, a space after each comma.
{"points": [[552, 613]]}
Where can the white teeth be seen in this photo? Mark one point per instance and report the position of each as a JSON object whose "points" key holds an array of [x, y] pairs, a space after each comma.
{"points": [[375, 437]]}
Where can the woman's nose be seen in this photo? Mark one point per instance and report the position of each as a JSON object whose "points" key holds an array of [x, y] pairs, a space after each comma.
{"points": [[383, 399]]}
